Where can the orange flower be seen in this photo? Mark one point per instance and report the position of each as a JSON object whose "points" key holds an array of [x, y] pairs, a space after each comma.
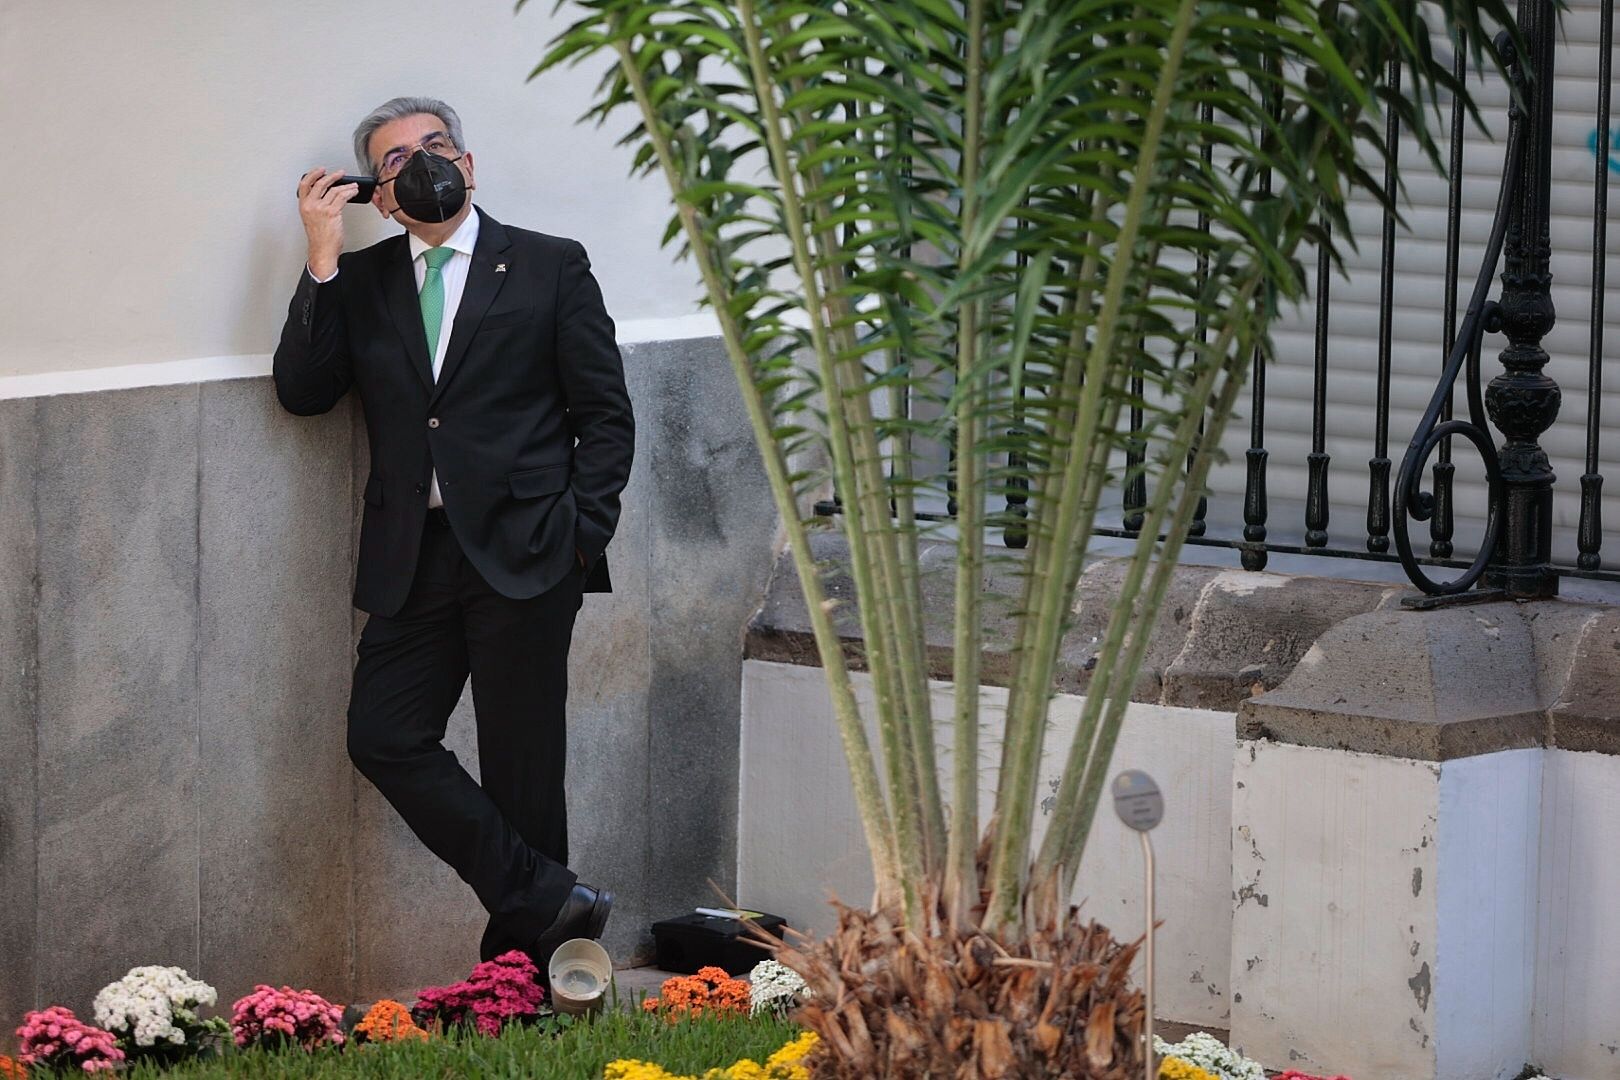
{"points": [[731, 995], [10, 1070], [388, 1021], [710, 990]]}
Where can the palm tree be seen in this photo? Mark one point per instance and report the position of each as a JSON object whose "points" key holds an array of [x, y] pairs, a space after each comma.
{"points": [[1032, 215]]}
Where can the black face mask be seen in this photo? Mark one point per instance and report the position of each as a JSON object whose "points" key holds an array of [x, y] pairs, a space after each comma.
{"points": [[430, 187]]}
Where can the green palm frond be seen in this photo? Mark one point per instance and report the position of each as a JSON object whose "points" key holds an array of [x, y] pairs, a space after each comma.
{"points": [[993, 226]]}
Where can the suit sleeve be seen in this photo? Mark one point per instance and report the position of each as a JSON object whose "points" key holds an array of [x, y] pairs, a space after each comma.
{"points": [[311, 363], [592, 373]]}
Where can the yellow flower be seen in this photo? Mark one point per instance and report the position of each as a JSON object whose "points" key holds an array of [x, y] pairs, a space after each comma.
{"points": [[795, 1051], [1174, 1068], [746, 1069], [782, 1065], [629, 1069]]}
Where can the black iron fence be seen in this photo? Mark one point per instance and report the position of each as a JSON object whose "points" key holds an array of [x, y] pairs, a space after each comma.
{"points": [[1411, 506]]}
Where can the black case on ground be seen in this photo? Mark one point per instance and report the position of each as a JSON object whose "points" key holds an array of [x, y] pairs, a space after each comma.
{"points": [[692, 941]]}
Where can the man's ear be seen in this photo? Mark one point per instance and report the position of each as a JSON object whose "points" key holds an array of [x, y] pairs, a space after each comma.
{"points": [[377, 200], [466, 155]]}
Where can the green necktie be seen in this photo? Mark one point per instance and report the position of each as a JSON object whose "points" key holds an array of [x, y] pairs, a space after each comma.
{"points": [[432, 296]]}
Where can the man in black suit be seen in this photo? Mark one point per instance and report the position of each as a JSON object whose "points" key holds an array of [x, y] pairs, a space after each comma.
{"points": [[501, 436]]}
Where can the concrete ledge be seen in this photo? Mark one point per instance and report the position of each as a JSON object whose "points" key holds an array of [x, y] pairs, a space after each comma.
{"points": [[1221, 635], [1302, 660]]}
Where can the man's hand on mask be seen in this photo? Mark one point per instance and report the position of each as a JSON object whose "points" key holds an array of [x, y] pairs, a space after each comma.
{"points": [[320, 205]]}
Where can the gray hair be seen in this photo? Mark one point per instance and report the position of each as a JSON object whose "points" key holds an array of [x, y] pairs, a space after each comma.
{"points": [[396, 109]]}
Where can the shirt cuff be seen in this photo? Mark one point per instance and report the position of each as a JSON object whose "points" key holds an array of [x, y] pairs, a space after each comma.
{"points": [[319, 280]]}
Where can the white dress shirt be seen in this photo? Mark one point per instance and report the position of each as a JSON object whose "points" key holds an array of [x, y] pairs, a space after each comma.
{"points": [[454, 276]]}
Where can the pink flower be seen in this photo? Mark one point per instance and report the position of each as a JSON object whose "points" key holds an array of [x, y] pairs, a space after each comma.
{"points": [[54, 1038], [301, 1015]]}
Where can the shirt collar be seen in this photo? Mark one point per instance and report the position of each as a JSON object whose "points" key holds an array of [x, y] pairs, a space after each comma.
{"points": [[462, 240]]}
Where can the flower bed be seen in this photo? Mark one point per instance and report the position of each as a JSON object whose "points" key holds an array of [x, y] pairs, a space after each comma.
{"points": [[494, 1023]]}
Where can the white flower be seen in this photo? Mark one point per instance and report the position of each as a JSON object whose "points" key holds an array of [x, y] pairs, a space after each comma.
{"points": [[1213, 1056], [145, 1003], [775, 986]]}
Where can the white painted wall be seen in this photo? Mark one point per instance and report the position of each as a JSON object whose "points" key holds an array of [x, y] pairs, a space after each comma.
{"points": [[1327, 932], [1427, 921], [1577, 1021], [156, 146], [800, 840], [1486, 895]]}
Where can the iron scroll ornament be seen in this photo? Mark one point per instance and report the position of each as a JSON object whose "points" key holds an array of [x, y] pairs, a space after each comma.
{"points": [[1483, 316]]}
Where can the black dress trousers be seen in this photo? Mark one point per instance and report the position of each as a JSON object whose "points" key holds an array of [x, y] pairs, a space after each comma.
{"points": [[508, 836]]}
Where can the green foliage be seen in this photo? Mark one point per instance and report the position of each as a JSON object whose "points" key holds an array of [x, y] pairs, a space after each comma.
{"points": [[993, 225], [557, 1049]]}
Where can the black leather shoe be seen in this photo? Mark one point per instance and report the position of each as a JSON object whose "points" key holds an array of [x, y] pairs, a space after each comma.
{"points": [[584, 915]]}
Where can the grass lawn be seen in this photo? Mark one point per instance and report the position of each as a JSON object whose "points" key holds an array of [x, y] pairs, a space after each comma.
{"points": [[552, 1049]]}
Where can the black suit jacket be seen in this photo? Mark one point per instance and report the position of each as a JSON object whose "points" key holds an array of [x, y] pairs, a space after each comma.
{"points": [[529, 423]]}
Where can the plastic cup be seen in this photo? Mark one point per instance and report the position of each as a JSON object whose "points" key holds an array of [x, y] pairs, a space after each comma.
{"points": [[580, 975]]}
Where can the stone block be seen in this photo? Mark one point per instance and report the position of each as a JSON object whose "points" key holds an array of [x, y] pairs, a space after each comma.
{"points": [[610, 678], [1095, 603], [712, 527], [1248, 631], [415, 922], [1361, 940], [1586, 716], [1429, 685], [19, 561], [118, 706], [274, 788]]}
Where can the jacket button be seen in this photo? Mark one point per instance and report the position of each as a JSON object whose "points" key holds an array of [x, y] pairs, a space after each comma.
{"points": [[421, 489], [433, 421]]}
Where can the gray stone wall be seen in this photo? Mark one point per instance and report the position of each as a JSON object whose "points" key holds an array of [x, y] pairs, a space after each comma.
{"points": [[175, 574]]}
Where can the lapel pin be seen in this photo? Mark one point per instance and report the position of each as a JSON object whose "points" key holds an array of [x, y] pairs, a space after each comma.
{"points": [[500, 268]]}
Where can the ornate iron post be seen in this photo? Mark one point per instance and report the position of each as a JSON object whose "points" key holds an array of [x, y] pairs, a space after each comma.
{"points": [[1522, 400]]}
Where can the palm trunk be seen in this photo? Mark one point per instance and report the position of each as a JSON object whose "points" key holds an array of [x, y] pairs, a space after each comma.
{"points": [[1009, 859], [961, 883], [869, 797], [1089, 754], [852, 465]]}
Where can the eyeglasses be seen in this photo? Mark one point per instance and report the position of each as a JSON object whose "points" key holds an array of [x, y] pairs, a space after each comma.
{"points": [[437, 143]]}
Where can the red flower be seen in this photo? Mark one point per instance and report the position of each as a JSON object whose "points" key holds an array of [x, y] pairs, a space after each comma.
{"points": [[496, 992]]}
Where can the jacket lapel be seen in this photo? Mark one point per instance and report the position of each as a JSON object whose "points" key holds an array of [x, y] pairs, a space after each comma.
{"points": [[484, 283], [399, 284]]}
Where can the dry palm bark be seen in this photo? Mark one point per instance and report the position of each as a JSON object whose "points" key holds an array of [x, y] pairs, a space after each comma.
{"points": [[959, 1004]]}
